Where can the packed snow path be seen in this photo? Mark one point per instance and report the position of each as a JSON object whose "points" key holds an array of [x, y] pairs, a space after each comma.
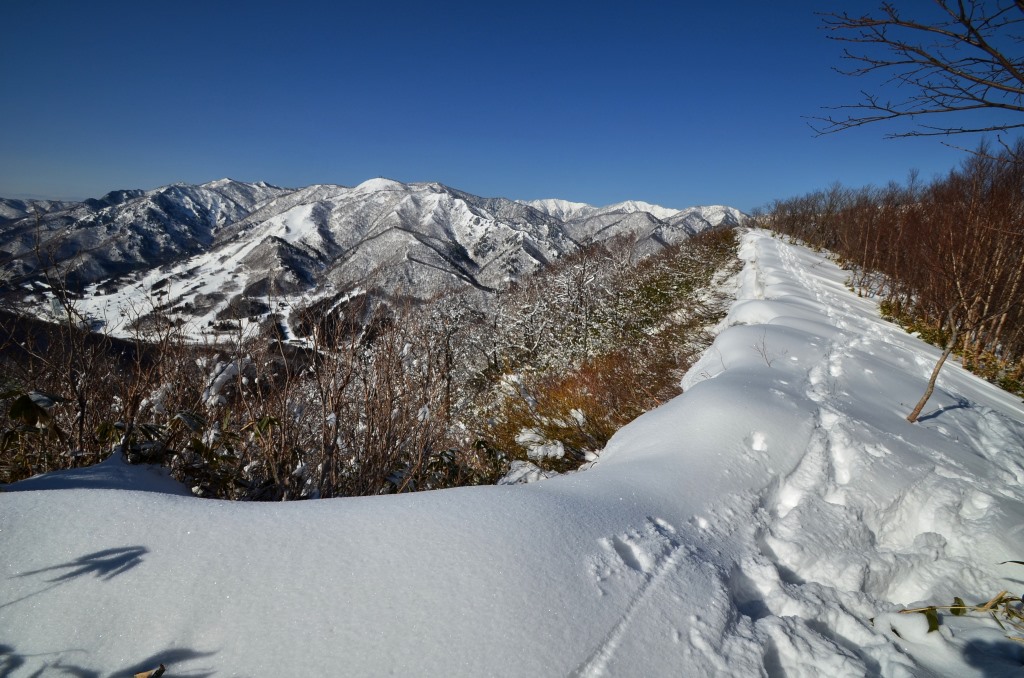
{"points": [[768, 522]]}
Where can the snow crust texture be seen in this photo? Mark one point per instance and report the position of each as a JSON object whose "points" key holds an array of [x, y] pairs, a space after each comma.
{"points": [[768, 522]]}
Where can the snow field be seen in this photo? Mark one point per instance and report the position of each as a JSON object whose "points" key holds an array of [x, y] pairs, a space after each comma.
{"points": [[770, 521]]}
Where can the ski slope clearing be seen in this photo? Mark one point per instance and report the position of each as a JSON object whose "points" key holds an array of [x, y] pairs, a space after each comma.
{"points": [[770, 521]]}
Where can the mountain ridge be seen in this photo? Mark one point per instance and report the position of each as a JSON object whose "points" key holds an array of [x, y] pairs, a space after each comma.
{"points": [[195, 250]]}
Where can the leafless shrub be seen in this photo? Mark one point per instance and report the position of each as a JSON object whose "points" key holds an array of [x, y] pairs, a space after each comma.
{"points": [[631, 332], [391, 397], [944, 257]]}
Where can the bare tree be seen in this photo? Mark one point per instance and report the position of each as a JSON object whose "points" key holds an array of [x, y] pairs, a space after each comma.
{"points": [[965, 58], [944, 258], [972, 253]]}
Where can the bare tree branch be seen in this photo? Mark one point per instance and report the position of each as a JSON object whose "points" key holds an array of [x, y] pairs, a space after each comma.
{"points": [[967, 59]]}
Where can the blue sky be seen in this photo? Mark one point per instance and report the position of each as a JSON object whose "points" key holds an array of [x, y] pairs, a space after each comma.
{"points": [[676, 103]]}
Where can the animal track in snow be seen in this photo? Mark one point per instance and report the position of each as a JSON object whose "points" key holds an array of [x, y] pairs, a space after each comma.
{"points": [[638, 551], [877, 451], [633, 555], [650, 554]]}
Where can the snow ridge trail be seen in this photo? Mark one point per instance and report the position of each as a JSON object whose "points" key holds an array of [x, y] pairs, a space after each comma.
{"points": [[899, 521], [770, 521], [771, 585]]}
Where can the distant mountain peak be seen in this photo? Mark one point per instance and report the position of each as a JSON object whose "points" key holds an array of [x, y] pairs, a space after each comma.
{"points": [[569, 211], [208, 248], [562, 209], [380, 184], [641, 206]]}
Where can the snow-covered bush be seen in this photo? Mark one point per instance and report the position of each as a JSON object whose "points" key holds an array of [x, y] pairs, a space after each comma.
{"points": [[383, 396], [632, 330]]}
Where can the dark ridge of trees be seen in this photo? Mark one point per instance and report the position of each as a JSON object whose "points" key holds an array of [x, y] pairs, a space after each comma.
{"points": [[380, 398], [945, 257]]}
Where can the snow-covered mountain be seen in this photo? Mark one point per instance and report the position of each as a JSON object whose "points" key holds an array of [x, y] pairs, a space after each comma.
{"points": [[561, 209], [571, 211], [125, 231], [205, 252], [13, 208]]}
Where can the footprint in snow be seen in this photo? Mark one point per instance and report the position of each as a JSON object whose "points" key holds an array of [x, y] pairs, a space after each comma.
{"points": [[975, 505], [637, 552]]}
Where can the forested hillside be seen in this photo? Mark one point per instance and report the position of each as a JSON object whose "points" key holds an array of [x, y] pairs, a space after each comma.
{"points": [[380, 397], [945, 256]]}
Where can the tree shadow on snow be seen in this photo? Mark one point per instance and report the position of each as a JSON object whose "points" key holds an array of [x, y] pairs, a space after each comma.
{"points": [[995, 658], [960, 404], [170, 658], [11, 661], [105, 565]]}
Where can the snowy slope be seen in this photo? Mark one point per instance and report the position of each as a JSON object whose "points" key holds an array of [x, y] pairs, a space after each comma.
{"points": [[126, 230], [650, 227], [565, 210], [754, 525], [406, 239], [569, 211], [12, 208], [207, 257]]}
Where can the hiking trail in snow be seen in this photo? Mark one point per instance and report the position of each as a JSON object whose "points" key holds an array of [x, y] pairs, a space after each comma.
{"points": [[770, 521]]}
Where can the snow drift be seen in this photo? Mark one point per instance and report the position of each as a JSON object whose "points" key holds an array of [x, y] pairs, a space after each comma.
{"points": [[769, 521]]}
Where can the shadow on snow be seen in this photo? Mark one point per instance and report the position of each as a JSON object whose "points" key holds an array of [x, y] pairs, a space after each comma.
{"points": [[105, 564], [11, 661]]}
